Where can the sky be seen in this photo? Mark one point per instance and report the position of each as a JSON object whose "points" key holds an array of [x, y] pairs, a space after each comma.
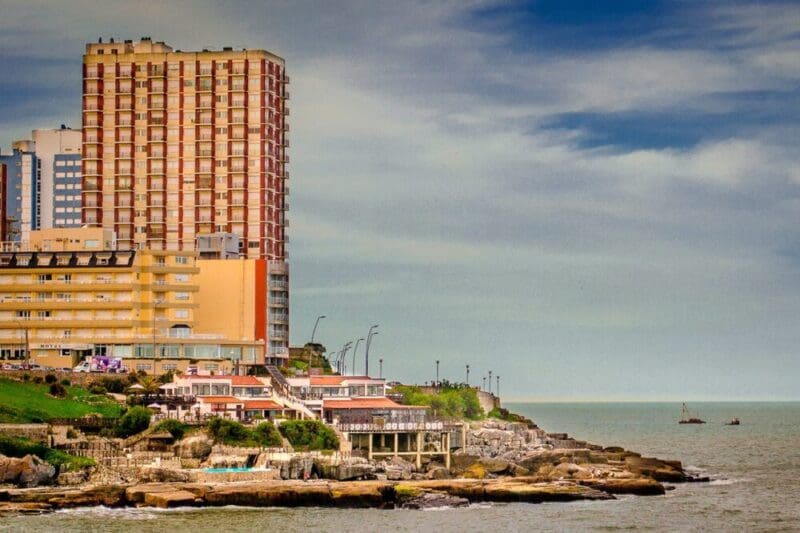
{"points": [[592, 200]]}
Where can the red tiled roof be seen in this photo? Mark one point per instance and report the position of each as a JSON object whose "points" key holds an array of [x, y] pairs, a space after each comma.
{"points": [[239, 381], [246, 380], [337, 380], [219, 399], [367, 403], [262, 404]]}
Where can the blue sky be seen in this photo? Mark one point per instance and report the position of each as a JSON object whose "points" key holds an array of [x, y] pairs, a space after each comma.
{"points": [[594, 200]]}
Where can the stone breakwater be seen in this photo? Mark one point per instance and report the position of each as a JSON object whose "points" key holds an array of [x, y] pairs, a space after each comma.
{"points": [[321, 493], [500, 462]]}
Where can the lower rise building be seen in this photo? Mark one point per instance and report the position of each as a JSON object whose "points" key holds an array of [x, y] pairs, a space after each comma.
{"points": [[67, 294]]}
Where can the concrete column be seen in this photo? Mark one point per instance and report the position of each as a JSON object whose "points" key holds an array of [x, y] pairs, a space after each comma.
{"points": [[396, 443], [447, 449], [419, 449], [369, 446]]}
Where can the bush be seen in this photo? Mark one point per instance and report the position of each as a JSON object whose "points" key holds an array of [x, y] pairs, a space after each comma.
{"points": [[96, 388], [38, 380], [235, 434], [65, 382], [71, 434], [175, 428], [26, 377], [457, 401], [310, 434], [134, 421], [58, 390], [268, 435], [50, 379], [114, 385], [229, 432]]}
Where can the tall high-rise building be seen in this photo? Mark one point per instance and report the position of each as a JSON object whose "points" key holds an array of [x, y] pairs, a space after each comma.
{"points": [[21, 199], [59, 154], [3, 236], [178, 144], [181, 144]]}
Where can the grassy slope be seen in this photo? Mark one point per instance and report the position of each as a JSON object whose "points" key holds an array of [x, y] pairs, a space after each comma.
{"points": [[455, 402], [18, 447], [22, 402]]}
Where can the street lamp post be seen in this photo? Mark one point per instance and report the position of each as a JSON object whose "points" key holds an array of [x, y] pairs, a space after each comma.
{"points": [[483, 387], [467, 376], [437, 373], [380, 368], [314, 331], [366, 355], [343, 364], [490, 381], [354, 355], [498, 386]]}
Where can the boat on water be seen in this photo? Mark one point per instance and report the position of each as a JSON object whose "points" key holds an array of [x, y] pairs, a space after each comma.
{"points": [[688, 418], [733, 422]]}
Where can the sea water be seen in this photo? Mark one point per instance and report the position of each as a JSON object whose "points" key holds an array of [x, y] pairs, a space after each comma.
{"points": [[755, 471]]}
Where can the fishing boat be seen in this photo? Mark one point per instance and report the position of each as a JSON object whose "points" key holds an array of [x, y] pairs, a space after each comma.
{"points": [[689, 418], [733, 422]]}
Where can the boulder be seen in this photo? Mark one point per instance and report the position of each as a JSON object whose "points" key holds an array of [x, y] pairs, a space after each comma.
{"points": [[173, 498], [643, 486], [28, 471], [434, 500], [494, 465], [398, 469], [197, 446], [155, 474], [438, 472], [475, 471]]}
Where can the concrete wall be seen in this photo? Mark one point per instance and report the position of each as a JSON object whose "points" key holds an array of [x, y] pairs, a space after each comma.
{"points": [[488, 401], [35, 432]]}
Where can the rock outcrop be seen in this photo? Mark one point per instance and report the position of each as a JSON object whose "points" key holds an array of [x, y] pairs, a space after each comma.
{"points": [[28, 471]]}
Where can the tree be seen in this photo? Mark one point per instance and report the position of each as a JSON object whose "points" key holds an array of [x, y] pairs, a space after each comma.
{"points": [[134, 421]]}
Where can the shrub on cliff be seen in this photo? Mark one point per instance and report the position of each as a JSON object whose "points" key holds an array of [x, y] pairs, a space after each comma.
{"points": [[176, 428], [228, 431], [20, 447], [134, 421], [449, 401], [309, 434], [50, 379], [268, 435], [235, 434]]}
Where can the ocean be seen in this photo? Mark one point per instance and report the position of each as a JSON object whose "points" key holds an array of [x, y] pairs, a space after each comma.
{"points": [[755, 471]]}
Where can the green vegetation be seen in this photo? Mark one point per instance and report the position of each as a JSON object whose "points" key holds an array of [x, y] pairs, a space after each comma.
{"points": [[26, 402], [452, 400], [135, 420], [309, 434], [19, 447], [504, 414], [235, 434], [176, 428]]}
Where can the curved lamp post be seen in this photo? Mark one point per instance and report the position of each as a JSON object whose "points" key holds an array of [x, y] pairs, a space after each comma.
{"points": [[369, 341], [354, 355], [343, 365], [314, 331]]}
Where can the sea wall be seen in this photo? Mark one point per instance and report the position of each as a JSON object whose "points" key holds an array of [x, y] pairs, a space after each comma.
{"points": [[35, 432]]}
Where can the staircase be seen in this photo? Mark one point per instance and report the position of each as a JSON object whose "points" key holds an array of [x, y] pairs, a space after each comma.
{"points": [[278, 380]]}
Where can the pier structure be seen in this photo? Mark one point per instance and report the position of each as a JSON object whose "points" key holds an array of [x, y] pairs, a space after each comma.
{"points": [[408, 440]]}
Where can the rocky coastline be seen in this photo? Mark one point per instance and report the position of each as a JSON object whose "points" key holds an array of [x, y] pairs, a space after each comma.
{"points": [[500, 462]]}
